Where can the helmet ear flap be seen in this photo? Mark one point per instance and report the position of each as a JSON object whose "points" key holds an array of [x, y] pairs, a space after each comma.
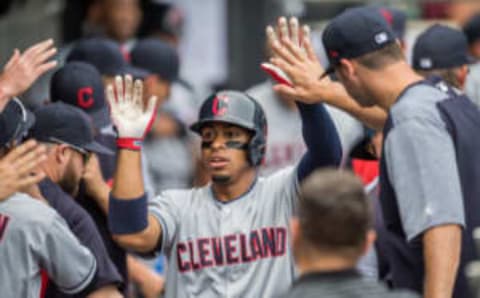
{"points": [[256, 149]]}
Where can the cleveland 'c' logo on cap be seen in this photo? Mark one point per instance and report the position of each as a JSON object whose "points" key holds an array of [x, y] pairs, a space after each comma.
{"points": [[85, 97], [220, 105]]}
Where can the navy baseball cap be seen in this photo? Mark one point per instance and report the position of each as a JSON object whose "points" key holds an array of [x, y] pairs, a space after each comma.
{"points": [[472, 29], [397, 20], [62, 123], [353, 33], [440, 47], [157, 57], [80, 84], [15, 121], [105, 55]]}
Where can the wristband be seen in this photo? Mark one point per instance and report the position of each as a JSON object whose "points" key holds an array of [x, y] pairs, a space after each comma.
{"points": [[129, 143], [127, 216]]}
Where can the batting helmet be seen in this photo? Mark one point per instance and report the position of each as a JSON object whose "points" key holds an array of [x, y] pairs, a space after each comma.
{"points": [[239, 109]]}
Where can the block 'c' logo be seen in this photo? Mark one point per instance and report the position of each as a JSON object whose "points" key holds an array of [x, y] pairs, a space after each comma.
{"points": [[220, 105], [85, 97]]}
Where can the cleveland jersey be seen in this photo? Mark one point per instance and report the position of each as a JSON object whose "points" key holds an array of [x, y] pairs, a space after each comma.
{"points": [[234, 249], [34, 237]]}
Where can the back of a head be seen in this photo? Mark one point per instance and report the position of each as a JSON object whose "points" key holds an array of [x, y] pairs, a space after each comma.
{"points": [[472, 32], [106, 55], [440, 50], [157, 57], [334, 212]]}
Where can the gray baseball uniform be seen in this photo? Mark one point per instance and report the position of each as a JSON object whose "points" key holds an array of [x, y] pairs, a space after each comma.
{"points": [[234, 249], [34, 237]]}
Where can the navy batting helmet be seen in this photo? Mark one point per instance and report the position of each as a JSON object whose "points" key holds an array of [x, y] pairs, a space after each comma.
{"points": [[237, 108]]}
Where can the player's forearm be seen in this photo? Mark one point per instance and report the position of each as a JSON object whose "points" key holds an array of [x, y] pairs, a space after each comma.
{"points": [[321, 138], [441, 248], [128, 179], [373, 117]]}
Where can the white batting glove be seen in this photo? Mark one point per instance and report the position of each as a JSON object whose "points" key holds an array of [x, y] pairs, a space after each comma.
{"points": [[127, 112]]}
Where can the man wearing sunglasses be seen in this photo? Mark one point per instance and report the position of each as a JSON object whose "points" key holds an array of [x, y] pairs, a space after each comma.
{"points": [[68, 136]]}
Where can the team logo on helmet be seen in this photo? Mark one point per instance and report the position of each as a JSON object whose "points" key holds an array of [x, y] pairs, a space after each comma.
{"points": [[220, 105]]}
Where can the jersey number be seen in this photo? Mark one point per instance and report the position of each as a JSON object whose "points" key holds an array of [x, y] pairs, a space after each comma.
{"points": [[3, 225]]}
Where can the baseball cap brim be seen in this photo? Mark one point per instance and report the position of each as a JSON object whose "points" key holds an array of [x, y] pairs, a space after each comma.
{"points": [[100, 118], [97, 148]]}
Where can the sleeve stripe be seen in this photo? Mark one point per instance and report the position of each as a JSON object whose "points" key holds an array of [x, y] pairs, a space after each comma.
{"points": [[84, 283]]}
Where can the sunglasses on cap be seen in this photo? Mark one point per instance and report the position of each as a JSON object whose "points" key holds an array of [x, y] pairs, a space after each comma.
{"points": [[85, 154]]}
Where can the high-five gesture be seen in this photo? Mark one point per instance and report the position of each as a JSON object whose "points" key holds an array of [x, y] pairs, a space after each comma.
{"points": [[23, 69], [294, 56], [128, 113]]}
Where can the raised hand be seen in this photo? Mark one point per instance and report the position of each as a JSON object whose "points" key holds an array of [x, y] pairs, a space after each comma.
{"points": [[128, 114], [18, 168], [22, 70]]}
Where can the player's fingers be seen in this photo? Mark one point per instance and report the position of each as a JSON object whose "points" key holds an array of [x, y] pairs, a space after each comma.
{"points": [[285, 91], [283, 53], [31, 179], [128, 88], [152, 112], [287, 68], [271, 36], [138, 94], [45, 67], [20, 150], [282, 28], [44, 56], [307, 44], [294, 30], [37, 48], [13, 59], [29, 161], [119, 90], [294, 50]]}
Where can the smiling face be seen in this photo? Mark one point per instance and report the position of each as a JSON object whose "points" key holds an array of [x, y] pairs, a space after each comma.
{"points": [[224, 151]]}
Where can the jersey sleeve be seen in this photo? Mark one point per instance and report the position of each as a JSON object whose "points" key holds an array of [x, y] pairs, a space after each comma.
{"points": [[421, 165], [282, 187], [68, 263], [166, 209]]}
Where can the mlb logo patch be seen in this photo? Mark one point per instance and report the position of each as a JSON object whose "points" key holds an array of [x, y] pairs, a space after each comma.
{"points": [[426, 63], [381, 37]]}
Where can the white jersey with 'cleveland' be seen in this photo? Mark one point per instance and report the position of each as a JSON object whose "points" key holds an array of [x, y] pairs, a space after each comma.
{"points": [[235, 249]]}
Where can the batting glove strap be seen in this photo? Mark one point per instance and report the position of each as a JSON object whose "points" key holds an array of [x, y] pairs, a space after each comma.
{"points": [[127, 216], [134, 144]]}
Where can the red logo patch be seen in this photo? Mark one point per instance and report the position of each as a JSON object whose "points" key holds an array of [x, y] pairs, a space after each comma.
{"points": [[85, 97], [220, 105], [387, 15], [333, 54]]}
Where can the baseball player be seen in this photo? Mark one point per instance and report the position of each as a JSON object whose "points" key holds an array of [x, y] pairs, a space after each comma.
{"points": [[32, 235], [229, 238], [429, 158]]}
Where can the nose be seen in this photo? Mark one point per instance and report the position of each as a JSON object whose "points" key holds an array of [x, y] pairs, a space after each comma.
{"points": [[218, 143]]}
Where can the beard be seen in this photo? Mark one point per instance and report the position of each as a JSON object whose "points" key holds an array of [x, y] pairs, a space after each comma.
{"points": [[70, 182], [221, 179]]}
